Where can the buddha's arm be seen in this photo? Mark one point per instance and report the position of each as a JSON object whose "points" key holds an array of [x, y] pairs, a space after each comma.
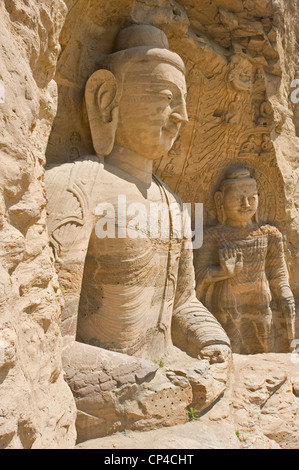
{"points": [[277, 275], [276, 268], [194, 328]]}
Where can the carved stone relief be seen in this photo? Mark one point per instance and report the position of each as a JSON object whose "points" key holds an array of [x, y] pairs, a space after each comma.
{"points": [[241, 271], [130, 300]]}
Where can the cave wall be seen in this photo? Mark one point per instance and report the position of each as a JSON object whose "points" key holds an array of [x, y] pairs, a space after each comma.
{"points": [[36, 406], [240, 57]]}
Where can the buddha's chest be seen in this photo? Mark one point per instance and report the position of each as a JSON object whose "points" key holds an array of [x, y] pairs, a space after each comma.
{"points": [[130, 226]]}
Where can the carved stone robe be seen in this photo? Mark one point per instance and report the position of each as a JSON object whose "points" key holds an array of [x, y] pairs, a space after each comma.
{"points": [[134, 294], [242, 303]]}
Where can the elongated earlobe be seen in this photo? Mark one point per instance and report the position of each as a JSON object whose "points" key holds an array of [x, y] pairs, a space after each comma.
{"points": [[218, 198], [102, 110]]}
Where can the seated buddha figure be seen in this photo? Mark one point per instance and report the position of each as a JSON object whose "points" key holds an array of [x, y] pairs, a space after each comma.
{"points": [[241, 267], [138, 345]]}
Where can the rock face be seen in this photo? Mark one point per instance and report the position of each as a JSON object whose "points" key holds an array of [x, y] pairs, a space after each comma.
{"points": [[37, 408], [241, 58], [266, 404], [259, 410]]}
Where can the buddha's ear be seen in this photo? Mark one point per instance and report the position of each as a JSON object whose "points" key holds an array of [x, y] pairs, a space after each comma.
{"points": [[218, 198], [102, 110]]}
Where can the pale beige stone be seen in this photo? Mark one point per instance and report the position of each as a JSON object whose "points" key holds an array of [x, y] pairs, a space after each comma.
{"points": [[134, 292], [215, 39], [37, 407], [241, 269], [259, 410]]}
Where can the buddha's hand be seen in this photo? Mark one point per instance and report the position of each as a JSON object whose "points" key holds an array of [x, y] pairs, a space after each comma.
{"points": [[231, 261], [289, 311], [288, 307], [215, 353]]}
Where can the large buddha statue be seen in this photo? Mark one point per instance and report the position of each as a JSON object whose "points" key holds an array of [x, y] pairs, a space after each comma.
{"points": [[138, 345], [241, 268]]}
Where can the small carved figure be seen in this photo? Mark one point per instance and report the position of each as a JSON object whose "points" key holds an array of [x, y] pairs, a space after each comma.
{"points": [[258, 75], [267, 145], [232, 115], [176, 148], [241, 265], [266, 114], [240, 73], [249, 147]]}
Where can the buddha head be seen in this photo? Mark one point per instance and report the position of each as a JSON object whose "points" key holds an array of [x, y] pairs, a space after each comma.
{"points": [[137, 99], [237, 198]]}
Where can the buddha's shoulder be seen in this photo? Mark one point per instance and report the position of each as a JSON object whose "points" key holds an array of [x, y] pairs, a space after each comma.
{"points": [[88, 174], [267, 229], [66, 173]]}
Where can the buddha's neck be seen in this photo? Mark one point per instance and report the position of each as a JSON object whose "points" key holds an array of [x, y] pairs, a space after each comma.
{"points": [[233, 223], [132, 163]]}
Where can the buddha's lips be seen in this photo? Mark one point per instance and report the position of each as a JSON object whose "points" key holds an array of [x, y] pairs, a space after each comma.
{"points": [[173, 131]]}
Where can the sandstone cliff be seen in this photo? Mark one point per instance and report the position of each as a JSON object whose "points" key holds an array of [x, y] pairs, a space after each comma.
{"points": [[37, 409], [241, 58]]}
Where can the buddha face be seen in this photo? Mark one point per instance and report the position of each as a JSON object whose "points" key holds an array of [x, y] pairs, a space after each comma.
{"points": [[240, 201], [151, 109]]}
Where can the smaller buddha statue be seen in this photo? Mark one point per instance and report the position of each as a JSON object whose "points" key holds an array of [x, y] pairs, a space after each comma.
{"points": [[249, 147], [240, 73], [241, 268], [266, 114], [267, 145], [232, 115]]}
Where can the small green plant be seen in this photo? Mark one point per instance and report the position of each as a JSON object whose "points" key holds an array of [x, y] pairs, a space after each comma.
{"points": [[161, 363], [193, 413], [240, 436]]}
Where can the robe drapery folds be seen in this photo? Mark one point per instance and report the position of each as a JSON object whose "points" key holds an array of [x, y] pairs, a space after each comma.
{"points": [[125, 294], [245, 297]]}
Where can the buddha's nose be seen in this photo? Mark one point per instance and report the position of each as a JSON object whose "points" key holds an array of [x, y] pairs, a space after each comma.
{"points": [[179, 112], [245, 202]]}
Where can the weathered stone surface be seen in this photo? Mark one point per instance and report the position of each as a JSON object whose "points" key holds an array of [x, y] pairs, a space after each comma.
{"points": [[37, 408], [241, 270], [241, 58], [265, 402], [259, 410]]}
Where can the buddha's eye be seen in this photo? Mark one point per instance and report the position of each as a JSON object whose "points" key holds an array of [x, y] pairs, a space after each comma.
{"points": [[167, 94]]}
